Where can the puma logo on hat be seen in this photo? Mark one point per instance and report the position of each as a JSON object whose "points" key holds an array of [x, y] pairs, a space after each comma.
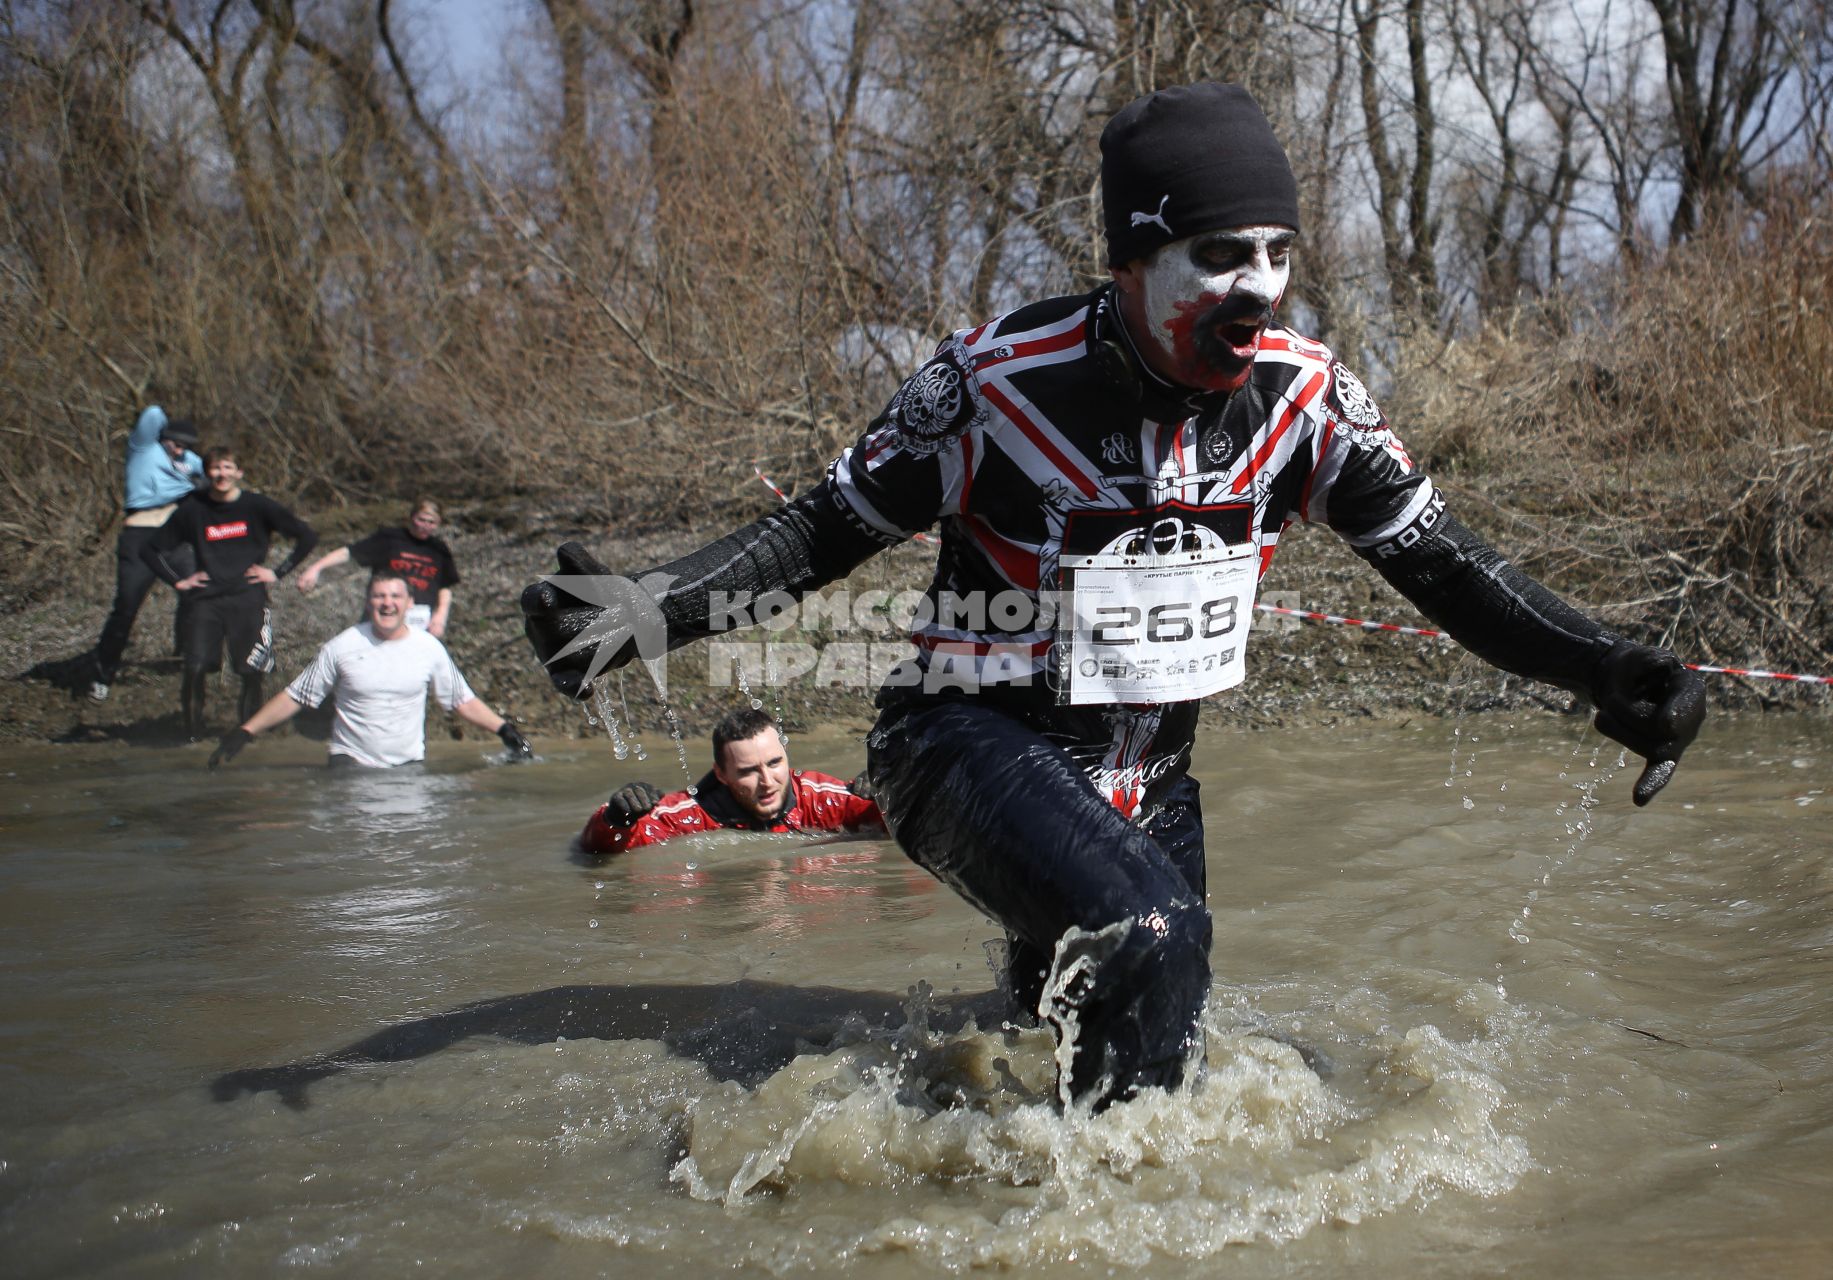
{"points": [[1147, 219]]}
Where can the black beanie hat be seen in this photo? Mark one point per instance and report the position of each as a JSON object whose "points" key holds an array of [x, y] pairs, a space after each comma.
{"points": [[1189, 159]]}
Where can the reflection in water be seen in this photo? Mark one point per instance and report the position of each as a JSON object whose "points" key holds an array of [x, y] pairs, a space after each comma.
{"points": [[385, 805]]}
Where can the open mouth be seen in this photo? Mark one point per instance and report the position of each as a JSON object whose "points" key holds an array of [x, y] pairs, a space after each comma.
{"points": [[1242, 337]]}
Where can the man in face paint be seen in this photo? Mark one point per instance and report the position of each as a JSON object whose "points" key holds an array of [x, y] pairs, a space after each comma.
{"points": [[1196, 307], [1053, 445]]}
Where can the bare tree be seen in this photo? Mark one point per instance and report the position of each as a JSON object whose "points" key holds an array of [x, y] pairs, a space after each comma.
{"points": [[1736, 90], [1403, 176], [1517, 189]]}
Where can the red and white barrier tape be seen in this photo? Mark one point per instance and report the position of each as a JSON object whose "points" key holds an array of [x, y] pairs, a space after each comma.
{"points": [[1368, 625], [1760, 675], [1364, 623], [769, 483]]}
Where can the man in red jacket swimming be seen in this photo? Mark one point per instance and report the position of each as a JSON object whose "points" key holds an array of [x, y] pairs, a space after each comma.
{"points": [[751, 788]]}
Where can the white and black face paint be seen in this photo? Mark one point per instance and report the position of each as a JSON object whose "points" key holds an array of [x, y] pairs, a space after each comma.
{"points": [[1207, 298]]}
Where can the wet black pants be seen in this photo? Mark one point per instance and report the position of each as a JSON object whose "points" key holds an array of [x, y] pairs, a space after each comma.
{"points": [[1005, 818]]}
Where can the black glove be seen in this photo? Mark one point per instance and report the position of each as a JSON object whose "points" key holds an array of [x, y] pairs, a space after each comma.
{"points": [[628, 804], [861, 786], [513, 740], [231, 746], [602, 618], [1650, 703]]}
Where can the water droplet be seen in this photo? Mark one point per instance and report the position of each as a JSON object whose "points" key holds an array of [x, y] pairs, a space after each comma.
{"points": [[602, 697], [593, 925]]}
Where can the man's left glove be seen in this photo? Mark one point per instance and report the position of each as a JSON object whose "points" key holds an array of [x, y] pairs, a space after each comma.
{"points": [[629, 803], [513, 740], [231, 746], [1650, 703]]}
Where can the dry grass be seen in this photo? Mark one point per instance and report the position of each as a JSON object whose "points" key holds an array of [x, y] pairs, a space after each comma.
{"points": [[366, 317], [1664, 442]]}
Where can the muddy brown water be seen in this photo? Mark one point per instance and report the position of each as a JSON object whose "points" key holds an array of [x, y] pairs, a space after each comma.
{"points": [[1473, 1015]]}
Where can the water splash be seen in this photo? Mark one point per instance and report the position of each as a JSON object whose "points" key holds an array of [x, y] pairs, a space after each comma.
{"points": [[1575, 829], [744, 687], [1255, 1148], [601, 697], [1463, 763], [636, 743], [674, 731]]}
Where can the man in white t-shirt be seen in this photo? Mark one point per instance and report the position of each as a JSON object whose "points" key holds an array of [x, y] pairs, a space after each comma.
{"points": [[380, 670]]}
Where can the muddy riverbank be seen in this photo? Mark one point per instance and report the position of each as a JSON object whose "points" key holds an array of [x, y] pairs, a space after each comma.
{"points": [[1299, 674]]}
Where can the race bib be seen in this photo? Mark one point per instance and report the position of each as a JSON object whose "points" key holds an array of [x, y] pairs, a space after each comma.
{"points": [[420, 616], [1156, 628]]}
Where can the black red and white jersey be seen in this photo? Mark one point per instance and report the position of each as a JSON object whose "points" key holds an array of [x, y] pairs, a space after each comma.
{"points": [[816, 802], [1031, 436], [1041, 434]]}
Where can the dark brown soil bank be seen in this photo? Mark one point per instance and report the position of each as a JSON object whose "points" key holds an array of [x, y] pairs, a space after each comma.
{"points": [[1299, 674]]}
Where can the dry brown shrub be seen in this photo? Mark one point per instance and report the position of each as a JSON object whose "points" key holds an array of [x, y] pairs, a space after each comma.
{"points": [[1661, 445]]}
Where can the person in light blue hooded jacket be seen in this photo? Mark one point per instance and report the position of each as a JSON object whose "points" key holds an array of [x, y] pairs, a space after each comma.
{"points": [[162, 467]]}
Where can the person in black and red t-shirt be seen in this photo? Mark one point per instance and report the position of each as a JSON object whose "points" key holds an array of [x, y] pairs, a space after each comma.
{"points": [[751, 788], [423, 561], [229, 529]]}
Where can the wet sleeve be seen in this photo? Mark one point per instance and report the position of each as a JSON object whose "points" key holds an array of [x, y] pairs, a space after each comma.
{"points": [[800, 547], [604, 837], [304, 537], [1489, 606], [601, 837], [829, 804], [860, 814], [448, 682], [313, 685]]}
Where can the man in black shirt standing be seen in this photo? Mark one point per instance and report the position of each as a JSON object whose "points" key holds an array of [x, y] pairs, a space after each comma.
{"points": [[229, 529]]}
